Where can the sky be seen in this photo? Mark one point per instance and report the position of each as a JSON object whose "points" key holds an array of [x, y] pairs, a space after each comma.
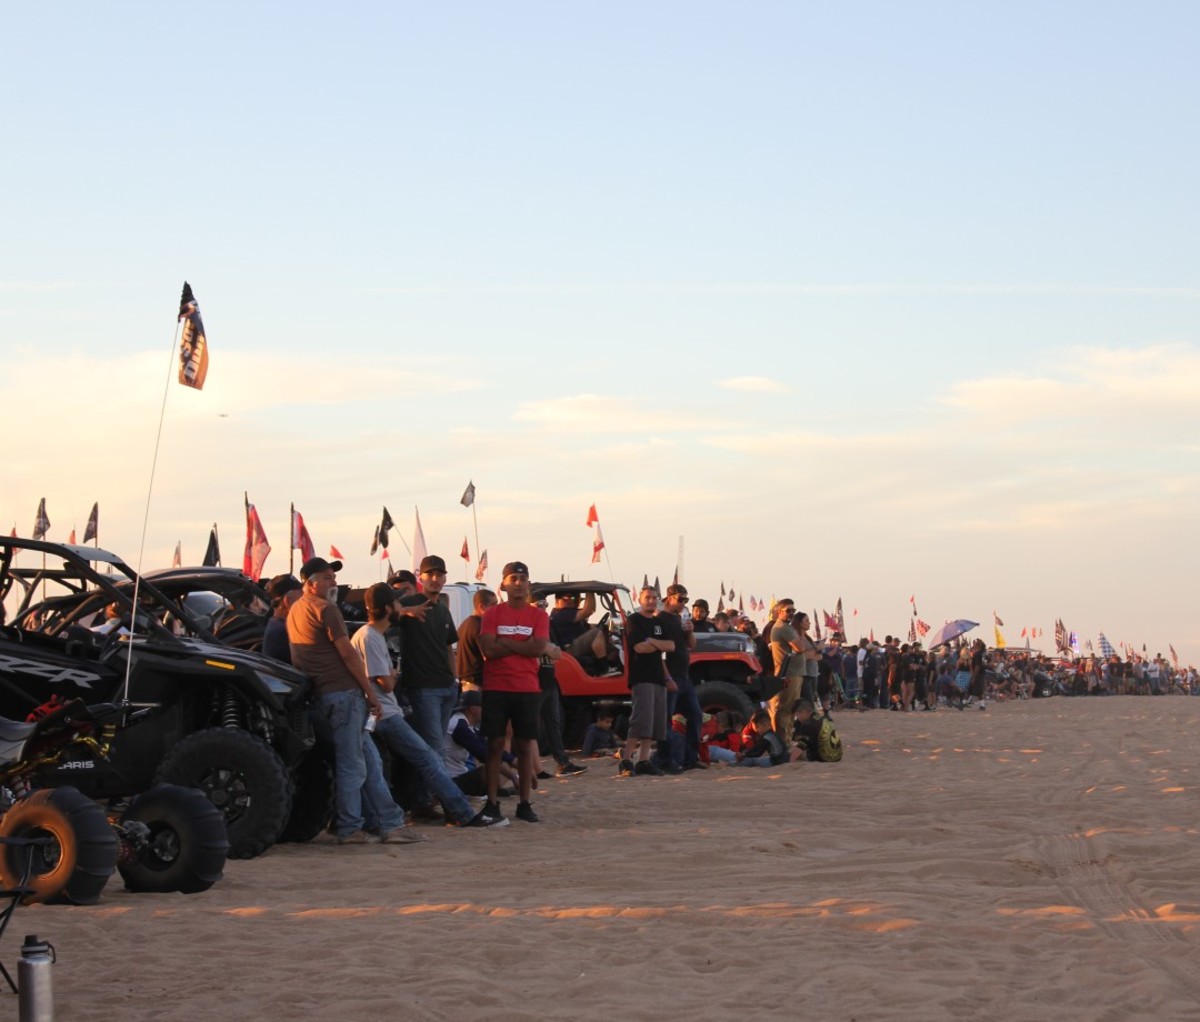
{"points": [[864, 300]]}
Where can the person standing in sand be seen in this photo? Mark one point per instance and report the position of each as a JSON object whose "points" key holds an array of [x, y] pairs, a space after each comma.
{"points": [[344, 697], [513, 635], [646, 634], [788, 655]]}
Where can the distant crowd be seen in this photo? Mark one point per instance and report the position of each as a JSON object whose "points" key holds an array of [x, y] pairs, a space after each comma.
{"points": [[466, 711]]}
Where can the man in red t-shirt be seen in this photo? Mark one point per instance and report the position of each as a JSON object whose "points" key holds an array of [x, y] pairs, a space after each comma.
{"points": [[512, 636]]}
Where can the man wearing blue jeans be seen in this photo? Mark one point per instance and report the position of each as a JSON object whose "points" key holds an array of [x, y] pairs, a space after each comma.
{"points": [[681, 631], [427, 669], [321, 649], [383, 608]]}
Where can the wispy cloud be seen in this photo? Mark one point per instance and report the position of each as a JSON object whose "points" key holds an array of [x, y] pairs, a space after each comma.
{"points": [[598, 413], [754, 385]]}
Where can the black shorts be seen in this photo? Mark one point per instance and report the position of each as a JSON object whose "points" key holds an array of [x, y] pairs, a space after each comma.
{"points": [[499, 708]]}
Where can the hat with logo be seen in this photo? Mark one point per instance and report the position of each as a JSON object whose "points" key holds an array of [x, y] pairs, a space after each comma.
{"points": [[515, 568], [433, 563]]}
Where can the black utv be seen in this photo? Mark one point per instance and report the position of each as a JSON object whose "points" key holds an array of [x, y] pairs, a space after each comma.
{"points": [[198, 713]]}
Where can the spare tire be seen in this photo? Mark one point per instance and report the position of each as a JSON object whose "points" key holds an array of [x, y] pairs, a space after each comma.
{"points": [[716, 696], [243, 777], [79, 857], [180, 844]]}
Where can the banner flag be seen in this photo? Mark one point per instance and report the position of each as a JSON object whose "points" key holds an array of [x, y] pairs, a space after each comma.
{"points": [[419, 551], [592, 517], [257, 547], [92, 529], [597, 542], [42, 524], [385, 526], [468, 497], [465, 554], [212, 554], [481, 571], [301, 540], [335, 553], [193, 345]]}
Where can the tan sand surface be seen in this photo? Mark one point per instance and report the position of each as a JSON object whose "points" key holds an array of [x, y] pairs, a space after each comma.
{"points": [[1038, 861]]}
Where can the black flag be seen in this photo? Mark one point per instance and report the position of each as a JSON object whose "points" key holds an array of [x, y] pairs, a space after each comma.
{"points": [[212, 555], [385, 527], [92, 529]]}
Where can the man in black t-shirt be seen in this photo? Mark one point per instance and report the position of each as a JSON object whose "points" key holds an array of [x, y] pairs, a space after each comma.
{"points": [[683, 700], [427, 668], [646, 636]]}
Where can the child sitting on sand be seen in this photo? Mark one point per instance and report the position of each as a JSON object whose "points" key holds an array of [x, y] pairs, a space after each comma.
{"points": [[599, 739], [762, 747]]}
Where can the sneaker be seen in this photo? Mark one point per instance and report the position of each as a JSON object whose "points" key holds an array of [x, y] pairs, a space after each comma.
{"points": [[570, 769], [400, 836], [525, 812], [488, 816], [647, 768], [542, 775], [625, 768], [356, 837]]}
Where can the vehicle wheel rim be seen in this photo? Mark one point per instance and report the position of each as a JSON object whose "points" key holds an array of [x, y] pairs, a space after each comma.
{"points": [[227, 790]]}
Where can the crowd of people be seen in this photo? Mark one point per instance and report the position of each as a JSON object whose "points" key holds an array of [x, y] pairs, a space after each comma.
{"points": [[463, 712]]}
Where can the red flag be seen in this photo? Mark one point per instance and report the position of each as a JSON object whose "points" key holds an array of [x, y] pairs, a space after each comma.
{"points": [[481, 571], [830, 621], [72, 539], [385, 556], [257, 547], [465, 554], [335, 553], [922, 628], [301, 540], [177, 560], [592, 517], [597, 541]]}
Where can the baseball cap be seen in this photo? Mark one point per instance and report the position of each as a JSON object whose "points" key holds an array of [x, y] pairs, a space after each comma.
{"points": [[515, 568], [281, 585], [433, 563], [380, 597], [315, 565], [675, 589]]}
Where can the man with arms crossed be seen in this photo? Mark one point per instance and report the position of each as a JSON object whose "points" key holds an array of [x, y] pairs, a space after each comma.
{"points": [[512, 635]]}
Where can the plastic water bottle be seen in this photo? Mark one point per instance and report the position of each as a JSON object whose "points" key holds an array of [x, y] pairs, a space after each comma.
{"points": [[35, 981]]}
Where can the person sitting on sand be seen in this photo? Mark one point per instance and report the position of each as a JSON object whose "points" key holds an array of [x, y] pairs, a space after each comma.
{"points": [[721, 737], [466, 751], [762, 746], [599, 739]]}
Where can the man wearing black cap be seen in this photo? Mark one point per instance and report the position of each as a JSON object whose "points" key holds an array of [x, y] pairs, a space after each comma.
{"points": [[284, 590], [427, 669], [344, 697], [512, 635], [680, 630]]}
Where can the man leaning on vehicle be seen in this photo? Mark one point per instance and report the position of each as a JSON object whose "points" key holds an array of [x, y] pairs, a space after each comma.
{"points": [[344, 696]]}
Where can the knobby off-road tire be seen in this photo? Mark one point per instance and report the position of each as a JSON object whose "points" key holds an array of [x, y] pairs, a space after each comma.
{"points": [[81, 857], [312, 805], [716, 696], [243, 777], [187, 844]]}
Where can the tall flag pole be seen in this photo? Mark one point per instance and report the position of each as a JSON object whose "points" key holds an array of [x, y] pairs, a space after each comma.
{"points": [[291, 539], [193, 367], [468, 500]]}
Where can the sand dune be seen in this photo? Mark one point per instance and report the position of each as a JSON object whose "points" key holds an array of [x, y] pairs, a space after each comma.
{"points": [[1037, 861]]}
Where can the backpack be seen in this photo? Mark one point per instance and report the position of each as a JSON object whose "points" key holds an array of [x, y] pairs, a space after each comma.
{"points": [[828, 746]]}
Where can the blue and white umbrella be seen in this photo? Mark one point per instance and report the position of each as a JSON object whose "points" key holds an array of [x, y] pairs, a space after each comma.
{"points": [[950, 631]]}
